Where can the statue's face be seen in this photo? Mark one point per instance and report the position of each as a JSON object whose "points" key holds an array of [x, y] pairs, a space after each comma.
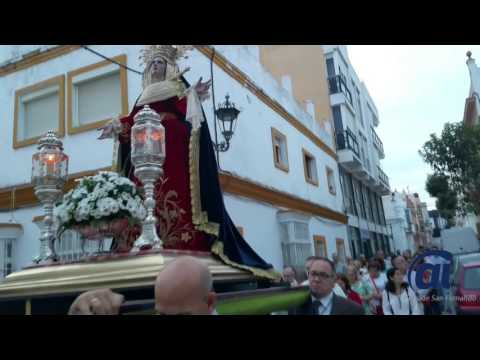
{"points": [[158, 68]]}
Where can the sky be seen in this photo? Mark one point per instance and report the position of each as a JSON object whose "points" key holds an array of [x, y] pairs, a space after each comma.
{"points": [[417, 89]]}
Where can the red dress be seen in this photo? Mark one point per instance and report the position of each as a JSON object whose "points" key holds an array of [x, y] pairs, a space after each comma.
{"points": [[172, 192], [353, 296]]}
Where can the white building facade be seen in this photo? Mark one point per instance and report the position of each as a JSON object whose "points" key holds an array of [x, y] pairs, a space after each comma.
{"points": [[399, 219], [360, 152], [267, 193]]}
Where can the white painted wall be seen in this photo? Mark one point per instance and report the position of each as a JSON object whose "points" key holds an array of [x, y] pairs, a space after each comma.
{"points": [[400, 240], [261, 228], [242, 57], [28, 245], [85, 151], [396, 217], [251, 154], [331, 231], [11, 52]]}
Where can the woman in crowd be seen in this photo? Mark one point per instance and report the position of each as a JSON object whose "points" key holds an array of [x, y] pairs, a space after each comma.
{"points": [[378, 281], [361, 267], [290, 276], [360, 287], [343, 282], [398, 297]]}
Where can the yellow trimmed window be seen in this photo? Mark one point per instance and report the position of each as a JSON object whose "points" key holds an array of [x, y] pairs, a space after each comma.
{"points": [[310, 168], [280, 151], [320, 245], [96, 94], [38, 109], [331, 181]]}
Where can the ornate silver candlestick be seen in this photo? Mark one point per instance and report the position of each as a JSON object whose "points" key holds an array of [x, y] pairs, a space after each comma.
{"points": [[148, 157], [49, 174]]}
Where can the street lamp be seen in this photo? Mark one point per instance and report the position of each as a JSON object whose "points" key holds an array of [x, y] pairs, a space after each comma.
{"points": [[49, 175], [148, 157], [227, 115]]}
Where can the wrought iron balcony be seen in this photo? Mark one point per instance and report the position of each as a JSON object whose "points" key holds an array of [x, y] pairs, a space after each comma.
{"points": [[337, 84], [347, 140], [377, 142], [383, 177]]}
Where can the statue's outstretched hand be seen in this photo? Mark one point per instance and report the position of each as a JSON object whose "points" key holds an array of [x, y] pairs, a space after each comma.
{"points": [[203, 89], [97, 302], [107, 131], [111, 129]]}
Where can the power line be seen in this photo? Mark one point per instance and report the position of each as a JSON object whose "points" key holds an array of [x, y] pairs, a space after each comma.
{"points": [[111, 60]]}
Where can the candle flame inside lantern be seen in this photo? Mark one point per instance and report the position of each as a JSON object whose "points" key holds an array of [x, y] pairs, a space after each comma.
{"points": [[157, 135], [141, 137]]}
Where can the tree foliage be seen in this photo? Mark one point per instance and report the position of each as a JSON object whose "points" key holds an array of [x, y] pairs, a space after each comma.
{"points": [[447, 201], [455, 160]]}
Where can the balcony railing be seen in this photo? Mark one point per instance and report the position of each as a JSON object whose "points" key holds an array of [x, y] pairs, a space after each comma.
{"points": [[383, 177], [377, 142], [348, 140], [337, 84]]}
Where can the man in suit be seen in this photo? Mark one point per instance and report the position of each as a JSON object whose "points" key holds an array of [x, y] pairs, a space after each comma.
{"points": [[322, 299]]}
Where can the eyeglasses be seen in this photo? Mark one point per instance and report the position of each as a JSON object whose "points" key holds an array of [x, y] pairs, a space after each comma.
{"points": [[319, 275]]}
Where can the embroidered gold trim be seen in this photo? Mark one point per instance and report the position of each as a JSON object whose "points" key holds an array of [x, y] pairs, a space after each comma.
{"points": [[199, 217], [170, 217], [217, 249]]}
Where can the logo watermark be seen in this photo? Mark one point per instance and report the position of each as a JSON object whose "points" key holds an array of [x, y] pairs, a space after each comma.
{"points": [[430, 274], [440, 298]]}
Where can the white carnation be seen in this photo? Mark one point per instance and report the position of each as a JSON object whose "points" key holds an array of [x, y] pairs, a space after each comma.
{"points": [[104, 200], [103, 206], [82, 213], [132, 206], [79, 193], [114, 206], [96, 214]]}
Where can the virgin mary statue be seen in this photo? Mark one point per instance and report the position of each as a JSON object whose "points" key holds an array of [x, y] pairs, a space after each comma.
{"points": [[189, 203]]}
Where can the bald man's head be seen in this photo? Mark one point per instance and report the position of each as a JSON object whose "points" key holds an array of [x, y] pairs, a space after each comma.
{"points": [[184, 286]]}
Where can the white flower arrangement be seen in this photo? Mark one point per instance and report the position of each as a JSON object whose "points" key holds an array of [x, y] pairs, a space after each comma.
{"points": [[102, 197]]}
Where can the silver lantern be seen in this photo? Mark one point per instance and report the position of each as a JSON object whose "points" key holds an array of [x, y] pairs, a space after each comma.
{"points": [[49, 175], [148, 157]]}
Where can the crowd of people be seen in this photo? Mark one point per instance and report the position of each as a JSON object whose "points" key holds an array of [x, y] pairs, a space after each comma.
{"points": [[378, 285], [375, 286]]}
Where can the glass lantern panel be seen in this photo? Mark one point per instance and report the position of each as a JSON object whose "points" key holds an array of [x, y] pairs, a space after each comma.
{"points": [[157, 137], [49, 167], [63, 167], [148, 144], [139, 143]]}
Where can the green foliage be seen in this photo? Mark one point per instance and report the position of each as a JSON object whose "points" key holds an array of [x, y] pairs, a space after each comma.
{"points": [[455, 159], [447, 202], [437, 184]]}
